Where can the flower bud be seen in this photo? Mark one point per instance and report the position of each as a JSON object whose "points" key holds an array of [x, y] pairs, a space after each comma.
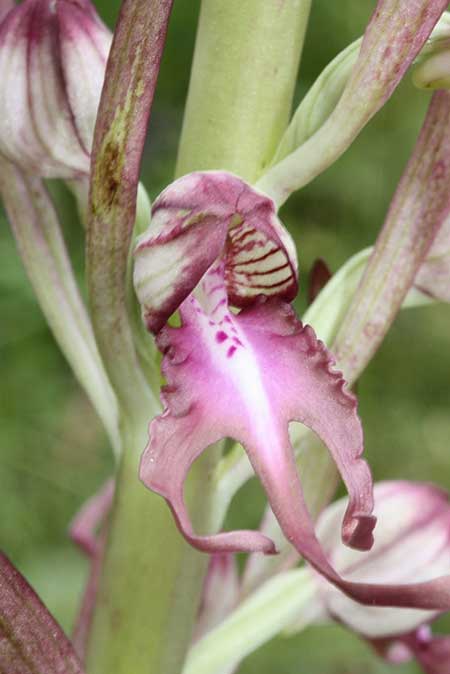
{"points": [[412, 544], [52, 61]]}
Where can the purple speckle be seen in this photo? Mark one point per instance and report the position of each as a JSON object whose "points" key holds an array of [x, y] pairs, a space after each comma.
{"points": [[218, 305], [237, 341], [221, 336], [231, 350]]}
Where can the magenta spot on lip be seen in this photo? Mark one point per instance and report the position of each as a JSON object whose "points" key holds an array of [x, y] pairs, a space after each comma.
{"points": [[231, 350], [237, 341], [221, 336], [227, 319]]}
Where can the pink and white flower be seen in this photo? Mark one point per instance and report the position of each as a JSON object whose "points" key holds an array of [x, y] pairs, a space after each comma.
{"points": [[242, 365], [412, 545], [52, 58]]}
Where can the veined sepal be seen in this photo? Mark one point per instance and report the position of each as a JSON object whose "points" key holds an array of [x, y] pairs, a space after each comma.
{"points": [[52, 57], [198, 218]]}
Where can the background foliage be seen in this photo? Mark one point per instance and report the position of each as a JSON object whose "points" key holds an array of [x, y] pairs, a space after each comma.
{"points": [[53, 453]]}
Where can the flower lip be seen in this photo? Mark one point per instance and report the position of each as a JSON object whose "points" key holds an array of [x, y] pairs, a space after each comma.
{"points": [[253, 373]]}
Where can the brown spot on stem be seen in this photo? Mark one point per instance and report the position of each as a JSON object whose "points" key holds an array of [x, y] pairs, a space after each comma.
{"points": [[108, 172]]}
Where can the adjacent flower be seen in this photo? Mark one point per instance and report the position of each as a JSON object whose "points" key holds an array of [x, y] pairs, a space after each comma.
{"points": [[52, 58], [412, 545]]}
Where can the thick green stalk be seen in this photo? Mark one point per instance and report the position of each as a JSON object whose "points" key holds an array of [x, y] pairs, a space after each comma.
{"points": [[143, 618], [245, 66]]}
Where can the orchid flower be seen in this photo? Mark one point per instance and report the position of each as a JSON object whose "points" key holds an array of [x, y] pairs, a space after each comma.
{"points": [[216, 243], [240, 365], [243, 375]]}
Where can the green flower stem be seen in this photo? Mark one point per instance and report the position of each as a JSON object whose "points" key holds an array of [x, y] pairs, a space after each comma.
{"points": [[242, 82], [272, 608]]}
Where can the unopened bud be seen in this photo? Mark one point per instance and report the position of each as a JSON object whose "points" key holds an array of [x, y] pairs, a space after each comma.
{"points": [[52, 64]]}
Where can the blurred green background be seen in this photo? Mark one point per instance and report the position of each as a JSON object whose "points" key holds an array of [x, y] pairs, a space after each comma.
{"points": [[53, 452]]}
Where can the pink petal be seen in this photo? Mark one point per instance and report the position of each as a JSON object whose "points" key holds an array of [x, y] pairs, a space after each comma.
{"points": [[31, 641], [247, 377], [85, 43], [5, 6], [433, 653], [192, 221]]}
